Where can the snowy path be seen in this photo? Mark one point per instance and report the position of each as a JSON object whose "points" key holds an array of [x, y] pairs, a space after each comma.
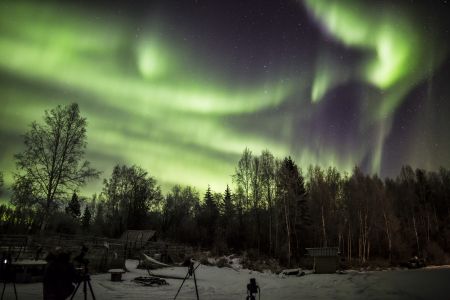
{"points": [[225, 283]]}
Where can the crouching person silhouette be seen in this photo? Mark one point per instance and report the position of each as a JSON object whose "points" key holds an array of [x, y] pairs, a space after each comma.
{"points": [[59, 277]]}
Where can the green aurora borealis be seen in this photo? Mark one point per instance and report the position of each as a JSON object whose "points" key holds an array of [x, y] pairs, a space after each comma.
{"points": [[183, 101]]}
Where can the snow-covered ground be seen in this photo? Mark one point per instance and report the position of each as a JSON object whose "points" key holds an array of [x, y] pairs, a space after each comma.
{"points": [[226, 283]]}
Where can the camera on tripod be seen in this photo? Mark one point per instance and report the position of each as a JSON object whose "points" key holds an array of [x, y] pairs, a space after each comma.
{"points": [[84, 278], [80, 258], [191, 268], [252, 288], [191, 272]]}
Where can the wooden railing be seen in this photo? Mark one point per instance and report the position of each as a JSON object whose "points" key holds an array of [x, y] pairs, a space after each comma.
{"points": [[103, 253]]}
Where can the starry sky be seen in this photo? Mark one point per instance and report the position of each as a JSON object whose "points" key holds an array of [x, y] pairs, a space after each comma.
{"points": [[182, 87]]}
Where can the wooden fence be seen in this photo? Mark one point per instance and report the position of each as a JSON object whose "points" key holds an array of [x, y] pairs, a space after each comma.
{"points": [[103, 253]]}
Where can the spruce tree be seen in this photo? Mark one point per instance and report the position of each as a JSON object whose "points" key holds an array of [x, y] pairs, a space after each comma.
{"points": [[228, 208], [1, 183], [210, 215], [73, 208], [86, 220]]}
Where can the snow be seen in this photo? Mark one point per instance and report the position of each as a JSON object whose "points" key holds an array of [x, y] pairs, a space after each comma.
{"points": [[226, 283]]}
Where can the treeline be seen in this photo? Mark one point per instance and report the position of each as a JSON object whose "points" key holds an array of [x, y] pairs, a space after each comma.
{"points": [[274, 208]]}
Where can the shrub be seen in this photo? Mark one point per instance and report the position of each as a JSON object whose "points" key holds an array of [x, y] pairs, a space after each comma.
{"points": [[63, 223], [434, 254]]}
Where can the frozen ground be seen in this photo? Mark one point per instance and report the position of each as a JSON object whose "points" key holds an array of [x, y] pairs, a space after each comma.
{"points": [[226, 283]]}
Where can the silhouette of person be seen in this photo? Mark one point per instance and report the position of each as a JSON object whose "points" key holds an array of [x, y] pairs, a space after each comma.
{"points": [[59, 277]]}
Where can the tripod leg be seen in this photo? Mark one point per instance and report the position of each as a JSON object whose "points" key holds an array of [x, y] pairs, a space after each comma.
{"points": [[196, 290], [84, 290], [75, 291], [15, 291], [179, 289], [4, 287], [92, 291]]}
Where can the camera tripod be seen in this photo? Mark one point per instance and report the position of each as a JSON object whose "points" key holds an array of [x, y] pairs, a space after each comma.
{"points": [[86, 280], [252, 288], [190, 272], [7, 274], [9, 278]]}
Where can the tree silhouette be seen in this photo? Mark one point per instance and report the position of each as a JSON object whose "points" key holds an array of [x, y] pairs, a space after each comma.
{"points": [[291, 194], [268, 170], [86, 219], [209, 216], [73, 208], [228, 207], [243, 175], [1, 183], [363, 215], [129, 193], [24, 195], [178, 213], [53, 157]]}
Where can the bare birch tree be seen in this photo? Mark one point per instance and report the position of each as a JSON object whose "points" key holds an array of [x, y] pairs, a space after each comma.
{"points": [[53, 159]]}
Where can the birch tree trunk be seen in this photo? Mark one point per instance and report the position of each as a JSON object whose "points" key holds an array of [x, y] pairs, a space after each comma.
{"points": [[288, 230], [324, 232], [388, 235], [416, 234]]}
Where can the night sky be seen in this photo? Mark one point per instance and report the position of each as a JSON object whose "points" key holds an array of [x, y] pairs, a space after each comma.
{"points": [[180, 88]]}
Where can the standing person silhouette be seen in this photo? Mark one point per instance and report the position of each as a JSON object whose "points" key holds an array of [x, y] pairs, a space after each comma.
{"points": [[60, 276]]}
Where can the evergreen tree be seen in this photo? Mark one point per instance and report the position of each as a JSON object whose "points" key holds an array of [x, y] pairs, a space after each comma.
{"points": [[211, 208], [228, 208], [86, 220], [209, 215], [1, 183], [291, 194], [228, 219], [73, 208]]}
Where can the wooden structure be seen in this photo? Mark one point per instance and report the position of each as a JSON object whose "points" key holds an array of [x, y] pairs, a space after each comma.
{"points": [[168, 252], [15, 245], [103, 254], [138, 239], [326, 259]]}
